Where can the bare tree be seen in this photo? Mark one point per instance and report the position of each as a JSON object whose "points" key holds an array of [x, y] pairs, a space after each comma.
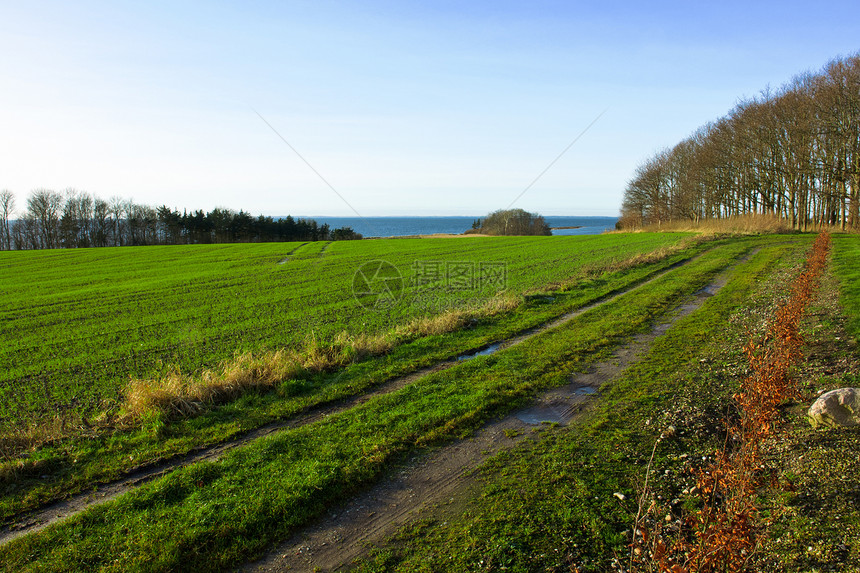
{"points": [[7, 208], [119, 209], [77, 219], [44, 206], [101, 223], [792, 152]]}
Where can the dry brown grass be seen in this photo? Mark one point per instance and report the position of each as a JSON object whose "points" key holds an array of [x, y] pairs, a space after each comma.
{"points": [[749, 224], [177, 394], [455, 319]]}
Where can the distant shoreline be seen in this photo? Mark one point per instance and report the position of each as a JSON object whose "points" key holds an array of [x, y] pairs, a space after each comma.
{"points": [[561, 228]]}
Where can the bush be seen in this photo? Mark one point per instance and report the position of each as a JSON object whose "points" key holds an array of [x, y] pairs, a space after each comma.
{"points": [[345, 234]]}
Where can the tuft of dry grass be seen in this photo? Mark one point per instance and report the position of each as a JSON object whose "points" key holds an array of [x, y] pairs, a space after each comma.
{"points": [[612, 266], [455, 319], [177, 394]]}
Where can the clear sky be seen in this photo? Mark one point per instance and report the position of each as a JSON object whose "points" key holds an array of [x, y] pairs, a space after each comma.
{"points": [[404, 107]]}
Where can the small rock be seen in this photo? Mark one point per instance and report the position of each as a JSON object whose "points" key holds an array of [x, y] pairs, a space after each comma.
{"points": [[836, 408]]}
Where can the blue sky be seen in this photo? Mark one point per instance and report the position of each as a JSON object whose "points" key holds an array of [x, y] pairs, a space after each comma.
{"points": [[405, 108]]}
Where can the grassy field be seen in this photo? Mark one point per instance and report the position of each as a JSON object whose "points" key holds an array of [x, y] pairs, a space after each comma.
{"points": [[77, 324], [553, 506], [215, 515], [591, 267], [549, 505]]}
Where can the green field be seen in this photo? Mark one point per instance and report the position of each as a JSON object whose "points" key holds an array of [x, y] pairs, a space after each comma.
{"points": [[278, 483], [77, 324], [547, 506], [78, 456]]}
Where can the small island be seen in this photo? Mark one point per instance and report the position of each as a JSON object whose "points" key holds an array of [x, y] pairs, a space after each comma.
{"points": [[510, 222]]}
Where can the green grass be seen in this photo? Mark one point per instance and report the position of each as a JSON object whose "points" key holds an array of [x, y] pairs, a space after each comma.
{"points": [[551, 506], [77, 324], [73, 464], [210, 516], [846, 263]]}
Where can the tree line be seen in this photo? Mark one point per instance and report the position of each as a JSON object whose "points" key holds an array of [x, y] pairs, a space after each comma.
{"points": [[76, 219], [793, 152]]}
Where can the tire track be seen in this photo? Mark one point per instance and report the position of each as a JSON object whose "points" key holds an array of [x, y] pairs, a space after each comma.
{"points": [[33, 521], [286, 259]]}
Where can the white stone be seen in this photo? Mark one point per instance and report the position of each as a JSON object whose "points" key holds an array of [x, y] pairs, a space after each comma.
{"points": [[837, 408]]}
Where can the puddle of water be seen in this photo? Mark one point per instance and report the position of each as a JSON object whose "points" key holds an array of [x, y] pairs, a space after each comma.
{"points": [[560, 410], [544, 414], [491, 349]]}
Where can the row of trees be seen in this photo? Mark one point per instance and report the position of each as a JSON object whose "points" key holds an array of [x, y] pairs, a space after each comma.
{"points": [[793, 152], [75, 219]]}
